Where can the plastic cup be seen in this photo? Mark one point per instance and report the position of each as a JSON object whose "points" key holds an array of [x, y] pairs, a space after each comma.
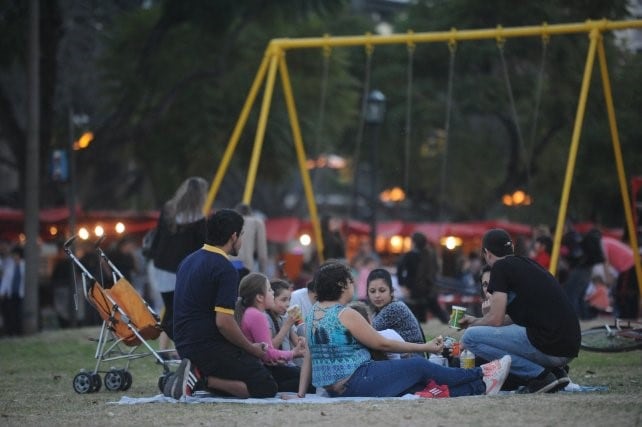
{"points": [[294, 311], [456, 315]]}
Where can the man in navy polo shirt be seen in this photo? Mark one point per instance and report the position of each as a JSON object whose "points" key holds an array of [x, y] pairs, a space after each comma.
{"points": [[216, 355]]}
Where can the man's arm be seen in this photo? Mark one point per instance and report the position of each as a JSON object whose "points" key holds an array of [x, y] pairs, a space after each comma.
{"points": [[232, 332], [496, 316]]}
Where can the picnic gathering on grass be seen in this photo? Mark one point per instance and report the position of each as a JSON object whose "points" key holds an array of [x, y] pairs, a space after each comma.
{"points": [[529, 331]]}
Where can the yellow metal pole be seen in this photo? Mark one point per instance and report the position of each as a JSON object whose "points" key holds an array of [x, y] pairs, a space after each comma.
{"points": [[572, 156], [260, 131], [459, 35], [300, 154], [617, 150], [236, 134]]}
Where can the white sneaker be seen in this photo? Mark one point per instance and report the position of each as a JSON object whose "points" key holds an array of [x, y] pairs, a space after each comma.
{"points": [[495, 374]]}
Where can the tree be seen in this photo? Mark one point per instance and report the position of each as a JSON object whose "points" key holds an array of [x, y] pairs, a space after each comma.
{"points": [[161, 83], [176, 79], [13, 63]]}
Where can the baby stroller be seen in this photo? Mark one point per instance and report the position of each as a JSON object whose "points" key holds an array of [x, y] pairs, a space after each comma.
{"points": [[128, 322]]}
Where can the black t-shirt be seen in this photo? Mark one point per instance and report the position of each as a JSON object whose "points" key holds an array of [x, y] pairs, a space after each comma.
{"points": [[537, 301]]}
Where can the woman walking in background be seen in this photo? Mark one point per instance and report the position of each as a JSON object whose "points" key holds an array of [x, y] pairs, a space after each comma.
{"points": [[180, 231]]}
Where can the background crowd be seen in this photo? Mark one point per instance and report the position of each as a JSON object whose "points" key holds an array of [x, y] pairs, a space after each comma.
{"points": [[428, 278]]}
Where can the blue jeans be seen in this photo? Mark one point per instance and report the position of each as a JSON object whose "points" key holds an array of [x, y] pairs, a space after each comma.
{"points": [[491, 342], [390, 378]]}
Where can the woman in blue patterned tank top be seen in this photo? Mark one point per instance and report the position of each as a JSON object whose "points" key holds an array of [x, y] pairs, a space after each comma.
{"points": [[339, 339]]}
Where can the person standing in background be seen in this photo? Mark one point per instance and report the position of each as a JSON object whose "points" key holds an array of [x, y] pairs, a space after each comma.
{"points": [[253, 253], [333, 245], [417, 272], [12, 291], [181, 230]]}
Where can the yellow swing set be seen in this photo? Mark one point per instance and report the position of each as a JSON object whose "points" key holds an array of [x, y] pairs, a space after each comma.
{"points": [[274, 60]]}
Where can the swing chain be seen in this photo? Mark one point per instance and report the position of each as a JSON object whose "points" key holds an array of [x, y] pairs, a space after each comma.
{"points": [[411, 44], [546, 37], [327, 50], [369, 47], [452, 43], [501, 40], [408, 130]]}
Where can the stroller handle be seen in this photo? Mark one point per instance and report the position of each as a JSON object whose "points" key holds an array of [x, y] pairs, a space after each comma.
{"points": [[99, 241], [69, 241]]}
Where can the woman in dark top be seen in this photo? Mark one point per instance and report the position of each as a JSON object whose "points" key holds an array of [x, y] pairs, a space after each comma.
{"points": [[180, 231], [390, 313], [417, 272], [333, 244]]}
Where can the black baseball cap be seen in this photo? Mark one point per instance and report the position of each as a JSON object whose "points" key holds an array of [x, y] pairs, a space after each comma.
{"points": [[498, 242]]}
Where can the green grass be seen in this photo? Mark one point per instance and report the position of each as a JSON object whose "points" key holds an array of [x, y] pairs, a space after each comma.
{"points": [[37, 373]]}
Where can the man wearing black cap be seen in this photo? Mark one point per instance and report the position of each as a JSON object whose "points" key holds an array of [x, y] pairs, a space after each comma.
{"points": [[530, 318]]}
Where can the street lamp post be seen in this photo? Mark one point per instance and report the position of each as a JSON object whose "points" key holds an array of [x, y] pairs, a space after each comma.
{"points": [[375, 114]]}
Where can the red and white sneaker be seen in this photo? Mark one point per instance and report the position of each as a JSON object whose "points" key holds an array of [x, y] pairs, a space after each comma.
{"points": [[434, 391], [187, 378], [495, 374]]}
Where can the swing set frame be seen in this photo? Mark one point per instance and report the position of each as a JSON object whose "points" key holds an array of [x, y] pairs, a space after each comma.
{"points": [[274, 60]]}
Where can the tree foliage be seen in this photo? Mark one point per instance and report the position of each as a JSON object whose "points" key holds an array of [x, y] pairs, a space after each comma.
{"points": [[163, 83]]}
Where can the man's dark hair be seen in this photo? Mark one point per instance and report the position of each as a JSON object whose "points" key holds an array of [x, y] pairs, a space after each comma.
{"points": [[222, 225]]}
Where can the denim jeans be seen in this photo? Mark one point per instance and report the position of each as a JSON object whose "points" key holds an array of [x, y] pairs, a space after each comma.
{"points": [[490, 343], [390, 378]]}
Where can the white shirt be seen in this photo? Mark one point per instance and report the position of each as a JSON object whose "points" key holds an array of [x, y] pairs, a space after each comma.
{"points": [[6, 285], [391, 334], [254, 242], [300, 297]]}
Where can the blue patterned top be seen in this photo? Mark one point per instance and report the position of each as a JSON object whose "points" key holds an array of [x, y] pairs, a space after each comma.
{"points": [[336, 354], [398, 316]]}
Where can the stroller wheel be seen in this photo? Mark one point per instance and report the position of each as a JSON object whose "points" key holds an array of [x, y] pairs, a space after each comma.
{"points": [[127, 380], [97, 382], [83, 383], [114, 380]]}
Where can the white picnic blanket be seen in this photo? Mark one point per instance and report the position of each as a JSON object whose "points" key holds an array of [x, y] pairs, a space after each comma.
{"points": [[309, 398]]}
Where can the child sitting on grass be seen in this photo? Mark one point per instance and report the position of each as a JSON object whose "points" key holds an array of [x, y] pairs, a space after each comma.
{"points": [[255, 297], [282, 326]]}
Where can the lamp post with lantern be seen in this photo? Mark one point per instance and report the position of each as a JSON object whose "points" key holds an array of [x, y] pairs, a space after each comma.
{"points": [[374, 117]]}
